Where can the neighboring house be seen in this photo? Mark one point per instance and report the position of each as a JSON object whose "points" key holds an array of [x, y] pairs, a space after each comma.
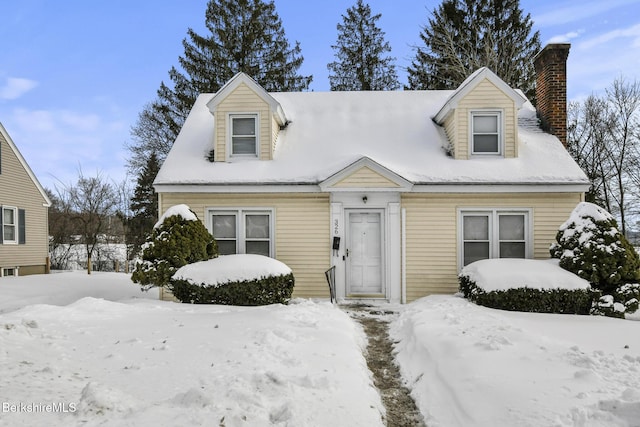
{"points": [[396, 190], [24, 235]]}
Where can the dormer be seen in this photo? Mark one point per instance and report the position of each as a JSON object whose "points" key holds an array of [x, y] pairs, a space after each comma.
{"points": [[480, 118], [247, 121]]}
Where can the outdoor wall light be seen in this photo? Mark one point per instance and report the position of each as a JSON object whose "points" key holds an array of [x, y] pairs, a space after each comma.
{"points": [[364, 199]]}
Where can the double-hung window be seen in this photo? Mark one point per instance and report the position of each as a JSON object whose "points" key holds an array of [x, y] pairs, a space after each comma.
{"points": [[9, 225], [494, 234], [244, 135], [486, 132], [243, 231]]}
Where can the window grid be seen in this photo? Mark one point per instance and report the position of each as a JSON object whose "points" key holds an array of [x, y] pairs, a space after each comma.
{"points": [[249, 232], [507, 235], [9, 225], [243, 135], [486, 132], [9, 272]]}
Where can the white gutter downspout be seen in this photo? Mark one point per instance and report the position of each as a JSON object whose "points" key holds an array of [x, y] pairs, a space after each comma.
{"points": [[403, 255]]}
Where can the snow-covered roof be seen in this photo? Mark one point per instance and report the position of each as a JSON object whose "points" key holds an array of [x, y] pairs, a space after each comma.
{"points": [[242, 78], [329, 131], [471, 82]]}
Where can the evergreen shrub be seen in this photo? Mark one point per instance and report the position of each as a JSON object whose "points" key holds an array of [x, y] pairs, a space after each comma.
{"points": [[259, 291], [590, 245], [563, 301], [174, 242]]}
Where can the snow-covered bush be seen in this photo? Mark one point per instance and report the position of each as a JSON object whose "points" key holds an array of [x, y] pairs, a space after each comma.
{"points": [[624, 300], [526, 285], [590, 245], [606, 306], [177, 239], [234, 280]]}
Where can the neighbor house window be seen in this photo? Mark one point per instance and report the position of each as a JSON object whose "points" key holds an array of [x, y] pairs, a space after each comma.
{"points": [[243, 231], [494, 234], [9, 225], [244, 135], [486, 132]]}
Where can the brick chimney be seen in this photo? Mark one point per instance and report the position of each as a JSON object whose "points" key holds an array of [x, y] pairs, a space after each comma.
{"points": [[551, 88]]}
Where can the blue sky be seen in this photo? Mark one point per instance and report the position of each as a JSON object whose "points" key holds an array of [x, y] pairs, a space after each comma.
{"points": [[74, 74]]}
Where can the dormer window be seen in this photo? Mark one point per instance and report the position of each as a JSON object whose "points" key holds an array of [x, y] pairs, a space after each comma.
{"points": [[486, 132], [244, 135]]}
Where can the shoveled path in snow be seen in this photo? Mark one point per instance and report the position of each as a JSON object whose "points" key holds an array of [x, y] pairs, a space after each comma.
{"points": [[401, 410]]}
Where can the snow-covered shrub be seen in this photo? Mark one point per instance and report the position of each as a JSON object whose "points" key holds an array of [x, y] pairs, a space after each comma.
{"points": [[533, 300], [630, 294], [526, 285], [234, 280], [606, 306], [590, 245], [624, 300], [177, 239]]}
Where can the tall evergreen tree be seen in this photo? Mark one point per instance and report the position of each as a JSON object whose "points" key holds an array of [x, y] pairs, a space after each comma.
{"points": [[360, 63], [464, 35], [244, 35], [144, 204]]}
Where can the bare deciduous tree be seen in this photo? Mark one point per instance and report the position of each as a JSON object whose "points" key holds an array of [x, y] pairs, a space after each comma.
{"points": [[92, 204], [604, 138]]}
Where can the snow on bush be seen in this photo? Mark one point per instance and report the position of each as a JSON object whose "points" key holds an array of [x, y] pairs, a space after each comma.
{"points": [[501, 274], [590, 245], [241, 279], [526, 285], [182, 211], [231, 268], [177, 239]]}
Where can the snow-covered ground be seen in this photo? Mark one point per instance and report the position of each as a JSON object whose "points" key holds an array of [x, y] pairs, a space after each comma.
{"points": [[123, 359], [109, 354], [473, 366]]}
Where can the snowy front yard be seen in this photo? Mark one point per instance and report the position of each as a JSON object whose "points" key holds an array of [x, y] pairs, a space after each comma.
{"points": [[474, 366], [107, 354], [148, 362]]}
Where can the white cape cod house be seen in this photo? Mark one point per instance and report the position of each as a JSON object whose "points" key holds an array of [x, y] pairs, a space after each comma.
{"points": [[396, 190]]}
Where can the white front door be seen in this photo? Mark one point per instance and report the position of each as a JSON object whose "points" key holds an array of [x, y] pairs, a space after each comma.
{"points": [[364, 266]]}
